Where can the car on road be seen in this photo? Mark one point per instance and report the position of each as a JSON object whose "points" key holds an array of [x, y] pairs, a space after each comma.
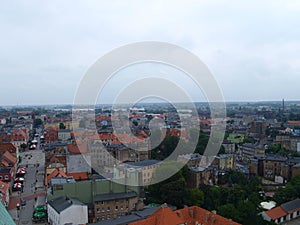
{"points": [[23, 202]]}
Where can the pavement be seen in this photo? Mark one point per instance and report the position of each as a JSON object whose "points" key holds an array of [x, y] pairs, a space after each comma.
{"points": [[34, 190], [293, 222]]}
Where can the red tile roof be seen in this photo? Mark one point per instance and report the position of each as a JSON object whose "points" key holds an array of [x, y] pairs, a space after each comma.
{"points": [[163, 216], [7, 147], [55, 173], [188, 216], [78, 149], [294, 122], [79, 175], [8, 157], [276, 213]]}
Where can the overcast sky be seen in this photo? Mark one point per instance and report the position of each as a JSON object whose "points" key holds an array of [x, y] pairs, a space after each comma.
{"points": [[251, 47]]}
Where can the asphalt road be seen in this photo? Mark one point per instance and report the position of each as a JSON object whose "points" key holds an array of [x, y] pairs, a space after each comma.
{"points": [[34, 160]]}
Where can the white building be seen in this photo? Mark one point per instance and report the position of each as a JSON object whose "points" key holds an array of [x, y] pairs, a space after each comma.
{"points": [[63, 210]]}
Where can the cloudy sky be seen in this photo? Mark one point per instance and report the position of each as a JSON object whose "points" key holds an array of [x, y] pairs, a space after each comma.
{"points": [[46, 47]]}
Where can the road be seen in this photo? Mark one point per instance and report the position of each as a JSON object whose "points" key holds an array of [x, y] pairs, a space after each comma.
{"points": [[34, 188]]}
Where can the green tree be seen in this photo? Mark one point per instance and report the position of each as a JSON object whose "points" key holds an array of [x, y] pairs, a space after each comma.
{"points": [[229, 211], [62, 126], [196, 197], [23, 146]]}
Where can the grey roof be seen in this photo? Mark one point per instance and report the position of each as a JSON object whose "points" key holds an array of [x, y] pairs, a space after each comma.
{"points": [[62, 180], [276, 158], [5, 170], [78, 163], [143, 163], [291, 206], [114, 196], [64, 130], [134, 216], [61, 203], [120, 221]]}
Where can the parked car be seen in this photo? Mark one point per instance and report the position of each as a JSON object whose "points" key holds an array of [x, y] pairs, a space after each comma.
{"points": [[23, 202]]}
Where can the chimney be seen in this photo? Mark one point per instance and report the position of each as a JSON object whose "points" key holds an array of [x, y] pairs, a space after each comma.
{"points": [[192, 214], [213, 220], [207, 217]]}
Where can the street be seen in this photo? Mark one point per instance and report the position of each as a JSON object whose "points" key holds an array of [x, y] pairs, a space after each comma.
{"points": [[34, 190]]}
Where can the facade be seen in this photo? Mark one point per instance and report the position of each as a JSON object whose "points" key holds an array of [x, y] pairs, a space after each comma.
{"points": [[274, 166], [147, 169], [65, 210], [4, 193], [107, 156], [228, 146], [108, 206], [225, 161], [7, 174], [249, 150], [200, 175], [64, 135]]}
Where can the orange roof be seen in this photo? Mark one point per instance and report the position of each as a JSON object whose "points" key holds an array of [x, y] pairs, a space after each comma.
{"points": [[79, 175], [189, 216], [55, 173], [161, 217], [7, 147], [78, 149], [195, 214], [276, 213], [294, 122], [9, 158]]}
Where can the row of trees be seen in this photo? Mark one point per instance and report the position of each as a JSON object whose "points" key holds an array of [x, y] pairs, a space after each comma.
{"points": [[290, 192], [239, 202]]}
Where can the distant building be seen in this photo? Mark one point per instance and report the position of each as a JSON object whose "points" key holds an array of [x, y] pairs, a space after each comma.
{"points": [[258, 127], [225, 161], [200, 175], [229, 146], [65, 210], [249, 150]]}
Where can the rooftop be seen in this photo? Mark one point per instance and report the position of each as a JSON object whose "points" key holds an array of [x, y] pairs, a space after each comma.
{"points": [[61, 203], [114, 196]]}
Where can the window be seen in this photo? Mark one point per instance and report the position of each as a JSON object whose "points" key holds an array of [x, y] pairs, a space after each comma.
{"points": [[98, 210], [58, 187], [108, 209], [6, 177], [117, 207], [103, 209], [1, 178]]}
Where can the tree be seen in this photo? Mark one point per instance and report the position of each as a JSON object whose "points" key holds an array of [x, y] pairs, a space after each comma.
{"points": [[62, 126], [196, 197], [23, 146], [229, 211]]}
